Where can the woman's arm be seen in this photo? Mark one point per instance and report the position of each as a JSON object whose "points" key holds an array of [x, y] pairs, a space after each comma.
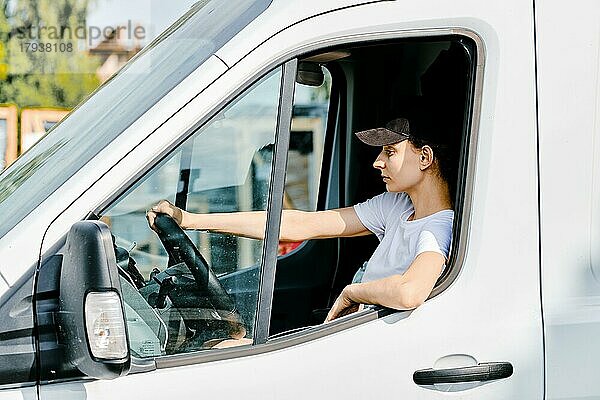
{"points": [[400, 292], [295, 225]]}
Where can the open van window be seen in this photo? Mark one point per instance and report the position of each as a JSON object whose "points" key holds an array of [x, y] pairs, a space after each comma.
{"points": [[131, 92], [371, 84]]}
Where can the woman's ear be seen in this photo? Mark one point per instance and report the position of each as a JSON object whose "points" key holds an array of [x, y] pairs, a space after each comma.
{"points": [[426, 158]]}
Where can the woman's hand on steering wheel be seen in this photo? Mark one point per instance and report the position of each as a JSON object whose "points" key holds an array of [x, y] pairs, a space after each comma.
{"points": [[162, 218], [165, 207]]}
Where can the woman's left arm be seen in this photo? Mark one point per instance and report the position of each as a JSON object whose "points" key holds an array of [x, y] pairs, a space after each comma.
{"points": [[400, 292]]}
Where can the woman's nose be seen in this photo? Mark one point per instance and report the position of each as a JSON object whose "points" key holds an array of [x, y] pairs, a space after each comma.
{"points": [[379, 164]]}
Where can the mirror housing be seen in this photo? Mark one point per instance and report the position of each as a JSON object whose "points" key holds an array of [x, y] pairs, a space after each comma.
{"points": [[91, 313]]}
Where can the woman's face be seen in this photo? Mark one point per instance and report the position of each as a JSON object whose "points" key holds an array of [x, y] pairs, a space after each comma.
{"points": [[399, 166]]}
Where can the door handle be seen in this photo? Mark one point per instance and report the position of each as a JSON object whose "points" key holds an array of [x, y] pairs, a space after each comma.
{"points": [[480, 372]]}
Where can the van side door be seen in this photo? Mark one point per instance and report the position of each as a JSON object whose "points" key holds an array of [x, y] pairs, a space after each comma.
{"points": [[568, 83]]}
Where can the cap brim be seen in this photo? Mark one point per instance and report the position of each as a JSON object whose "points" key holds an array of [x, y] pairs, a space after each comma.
{"points": [[380, 137]]}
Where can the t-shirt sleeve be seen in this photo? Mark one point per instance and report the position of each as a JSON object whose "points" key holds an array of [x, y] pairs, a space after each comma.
{"points": [[373, 213], [436, 236]]}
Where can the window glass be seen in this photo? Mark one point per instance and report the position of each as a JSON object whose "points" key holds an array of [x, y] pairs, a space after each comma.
{"points": [[226, 166], [305, 156]]}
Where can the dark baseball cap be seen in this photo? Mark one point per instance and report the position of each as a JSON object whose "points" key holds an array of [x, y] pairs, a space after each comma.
{"points": [[394, 131]]}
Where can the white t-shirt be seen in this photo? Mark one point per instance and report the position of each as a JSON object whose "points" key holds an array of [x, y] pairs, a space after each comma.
{"points": [[400, 240]]}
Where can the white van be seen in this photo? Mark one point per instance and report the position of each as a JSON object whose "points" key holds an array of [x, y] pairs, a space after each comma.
{"points": [[251, 105]]}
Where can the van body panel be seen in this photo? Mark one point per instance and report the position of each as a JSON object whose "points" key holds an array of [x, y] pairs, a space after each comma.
{"points": [[569, 124], [279, 16], [19, 394], [486, 313]]}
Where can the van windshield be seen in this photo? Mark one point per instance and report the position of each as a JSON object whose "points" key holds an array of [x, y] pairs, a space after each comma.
{"points": [[134, 89]]}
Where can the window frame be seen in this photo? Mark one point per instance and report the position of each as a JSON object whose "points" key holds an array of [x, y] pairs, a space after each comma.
{"points": [[266, 283], [465, 189], [337, 148]]}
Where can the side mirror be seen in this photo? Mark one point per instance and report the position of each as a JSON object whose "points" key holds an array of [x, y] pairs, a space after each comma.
{"points": [[91, 313]]}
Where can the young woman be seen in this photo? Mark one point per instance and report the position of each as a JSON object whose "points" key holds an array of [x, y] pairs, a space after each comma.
{"points": [[412, 220]]}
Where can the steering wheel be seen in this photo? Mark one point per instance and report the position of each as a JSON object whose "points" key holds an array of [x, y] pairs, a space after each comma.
{"points": [[181, 249]]}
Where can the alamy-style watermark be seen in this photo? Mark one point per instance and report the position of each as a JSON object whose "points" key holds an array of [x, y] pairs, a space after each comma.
{"points": [[38, 42], [89, 34]]}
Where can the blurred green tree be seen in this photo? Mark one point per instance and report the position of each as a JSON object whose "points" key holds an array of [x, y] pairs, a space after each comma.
{"points": [[63, 73]]}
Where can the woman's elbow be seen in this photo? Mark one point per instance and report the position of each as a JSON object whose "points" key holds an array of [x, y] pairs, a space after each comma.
{"points": [[411, 298]]}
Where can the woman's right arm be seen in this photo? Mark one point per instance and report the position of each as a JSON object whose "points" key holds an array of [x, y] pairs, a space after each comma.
{"points": [[296, 225]]}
